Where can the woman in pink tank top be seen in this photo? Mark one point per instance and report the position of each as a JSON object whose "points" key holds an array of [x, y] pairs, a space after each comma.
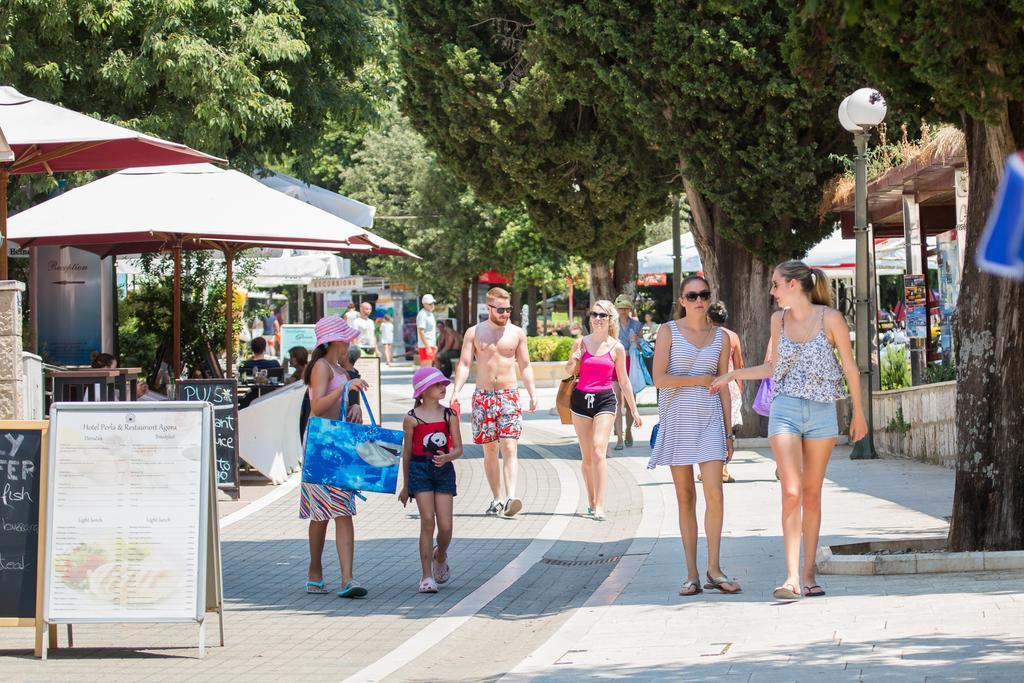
{"points": [[599, 361]]}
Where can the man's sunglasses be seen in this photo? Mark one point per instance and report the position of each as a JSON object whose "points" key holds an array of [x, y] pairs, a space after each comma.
{"points": [[501, 310], [693, 296], [598, 315]]}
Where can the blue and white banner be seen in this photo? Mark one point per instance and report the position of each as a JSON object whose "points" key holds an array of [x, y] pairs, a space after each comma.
{"points": [[1001, 251]]}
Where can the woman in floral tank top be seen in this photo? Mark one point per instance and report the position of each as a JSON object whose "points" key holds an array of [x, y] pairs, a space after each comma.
{"points": [[807, 335]]}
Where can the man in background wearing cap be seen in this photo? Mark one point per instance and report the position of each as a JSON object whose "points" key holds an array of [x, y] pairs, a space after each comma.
{"points": [[426, 330], [499, 347], [629, 332]]}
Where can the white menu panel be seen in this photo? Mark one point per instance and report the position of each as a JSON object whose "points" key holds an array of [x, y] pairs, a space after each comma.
{"points": [[127, 512]]}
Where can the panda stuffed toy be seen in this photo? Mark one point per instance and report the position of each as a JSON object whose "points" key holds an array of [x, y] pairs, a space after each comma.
{"points": [[435, 443]]}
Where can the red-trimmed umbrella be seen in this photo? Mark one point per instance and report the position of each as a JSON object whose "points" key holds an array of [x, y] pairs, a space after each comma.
{"points": [[193, 206], [46, 138]]}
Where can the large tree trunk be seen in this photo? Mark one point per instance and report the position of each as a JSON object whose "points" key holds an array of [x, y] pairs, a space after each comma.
{"points": [[608, 280], [988, 502], [602, 285], [740, 281]]}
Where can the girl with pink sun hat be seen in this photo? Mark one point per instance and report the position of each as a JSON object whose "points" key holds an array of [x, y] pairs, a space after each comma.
{"points": [[432, 441], [326, 375]]}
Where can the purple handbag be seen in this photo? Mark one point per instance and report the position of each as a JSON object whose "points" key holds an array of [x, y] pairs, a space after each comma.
{"points": [[763, 400]]}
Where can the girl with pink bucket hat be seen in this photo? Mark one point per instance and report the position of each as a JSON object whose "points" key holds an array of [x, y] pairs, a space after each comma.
{"points": [[432, 441], [325, 375]]}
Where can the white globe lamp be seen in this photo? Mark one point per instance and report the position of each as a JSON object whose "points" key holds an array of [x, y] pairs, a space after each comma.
{"points": [[865, 108]]}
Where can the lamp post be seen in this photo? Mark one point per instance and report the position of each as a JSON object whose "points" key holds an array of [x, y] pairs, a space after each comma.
{"points": [[859, 113]]}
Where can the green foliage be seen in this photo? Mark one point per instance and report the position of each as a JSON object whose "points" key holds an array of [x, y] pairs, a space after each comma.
{"points": [[898, 424], [706, 85], [895, 369], [944, 372], [423, 207], [145, 314], [551, 348], [244, 79], [524, 252], [515, 134], [978, 66]]}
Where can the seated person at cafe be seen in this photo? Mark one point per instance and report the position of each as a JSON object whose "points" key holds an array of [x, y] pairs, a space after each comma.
{"points": [[103, 360], [298, 357], [259, 360]]}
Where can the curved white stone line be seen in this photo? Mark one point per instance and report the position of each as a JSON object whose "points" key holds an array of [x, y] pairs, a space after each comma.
{"points": [[252, 508], [575, 628], [439, 629]]}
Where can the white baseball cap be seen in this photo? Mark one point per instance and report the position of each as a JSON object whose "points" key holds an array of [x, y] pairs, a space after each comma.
{"points": [[428, 299]]}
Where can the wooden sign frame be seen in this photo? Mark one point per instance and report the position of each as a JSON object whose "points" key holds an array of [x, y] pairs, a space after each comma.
{"points": [[43, 427]]}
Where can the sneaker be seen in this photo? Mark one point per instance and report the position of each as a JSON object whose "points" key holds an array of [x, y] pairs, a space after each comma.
{"points": [[496, 507], [512, 506]]}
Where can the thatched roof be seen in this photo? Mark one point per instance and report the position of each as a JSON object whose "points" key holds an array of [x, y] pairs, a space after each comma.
{"points": [[945, 147]]}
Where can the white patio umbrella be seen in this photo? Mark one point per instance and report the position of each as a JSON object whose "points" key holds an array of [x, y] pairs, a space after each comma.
{"points": [[658, 258], [194, 206], [46, 138]]}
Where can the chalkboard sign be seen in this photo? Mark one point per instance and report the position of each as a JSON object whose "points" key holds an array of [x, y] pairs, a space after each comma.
{"points": [[22, 449], [223, 394]]}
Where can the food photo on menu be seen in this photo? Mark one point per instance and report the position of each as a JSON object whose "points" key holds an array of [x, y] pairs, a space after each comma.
{"points": [[116, 572]]}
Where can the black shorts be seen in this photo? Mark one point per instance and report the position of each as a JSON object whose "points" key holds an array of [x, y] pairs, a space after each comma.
{"points": [[590, 405]]}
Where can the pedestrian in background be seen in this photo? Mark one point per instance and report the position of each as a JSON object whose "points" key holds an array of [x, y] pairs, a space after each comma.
{"points": [[694, 427], [718, 314], [629, 333], [326, 375], [387, 337], [599, 361], [367, 340], [802, 424], [426, 330], [432, 442]]}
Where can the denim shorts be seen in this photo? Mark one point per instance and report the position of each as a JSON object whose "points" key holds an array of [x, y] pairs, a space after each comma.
{"points": [[424, 475], [802, 417]]}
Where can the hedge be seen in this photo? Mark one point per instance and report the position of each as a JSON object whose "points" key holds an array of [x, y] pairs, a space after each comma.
{"points": [[549, 348]]}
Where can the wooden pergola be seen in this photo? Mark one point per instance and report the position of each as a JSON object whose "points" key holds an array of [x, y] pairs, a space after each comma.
{"points": [[924, 197]]}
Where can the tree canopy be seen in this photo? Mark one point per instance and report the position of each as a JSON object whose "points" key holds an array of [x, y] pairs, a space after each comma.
{"points": [[243, 79], [509, 130], [423, 207]]}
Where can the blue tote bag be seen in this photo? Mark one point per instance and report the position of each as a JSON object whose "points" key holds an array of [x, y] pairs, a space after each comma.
{"points": [[350, 455]]}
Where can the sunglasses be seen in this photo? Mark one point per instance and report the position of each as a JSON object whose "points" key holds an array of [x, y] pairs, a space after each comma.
{"points": [[599, 315], [501, 310], [693, 296]]}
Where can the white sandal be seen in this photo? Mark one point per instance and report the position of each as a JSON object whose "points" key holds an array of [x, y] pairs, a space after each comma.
{"points": [[427, 585]]}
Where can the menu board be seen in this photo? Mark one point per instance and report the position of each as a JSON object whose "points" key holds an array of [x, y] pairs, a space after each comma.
{"points": [[368, 368], [915, 296], [20, 468], [128, 508], [223, 394]]}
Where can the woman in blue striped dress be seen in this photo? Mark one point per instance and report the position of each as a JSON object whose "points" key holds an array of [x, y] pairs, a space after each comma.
{"points": [[694, 424]]}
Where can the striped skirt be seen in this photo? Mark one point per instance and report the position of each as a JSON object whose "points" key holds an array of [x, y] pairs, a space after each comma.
{"points": [[322, 503]]}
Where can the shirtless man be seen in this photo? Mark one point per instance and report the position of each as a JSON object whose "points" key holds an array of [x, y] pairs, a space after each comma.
{"points": [[497, 416]]}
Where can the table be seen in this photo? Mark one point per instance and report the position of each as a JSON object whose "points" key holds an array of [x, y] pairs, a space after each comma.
{"points": [[74, 385]]}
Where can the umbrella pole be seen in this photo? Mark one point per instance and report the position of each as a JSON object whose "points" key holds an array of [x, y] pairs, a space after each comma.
{"points": [[229, 312], [176, 321], [3, 222]]}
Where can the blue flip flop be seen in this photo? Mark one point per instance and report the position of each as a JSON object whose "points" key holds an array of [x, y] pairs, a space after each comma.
{"points": [[352, 590], [316, 588]]}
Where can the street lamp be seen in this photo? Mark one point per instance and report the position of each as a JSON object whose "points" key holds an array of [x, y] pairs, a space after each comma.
{"points": [[859, 113]]}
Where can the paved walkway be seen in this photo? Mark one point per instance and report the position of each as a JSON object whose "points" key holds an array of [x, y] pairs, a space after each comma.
{"points": [[551, 594]]}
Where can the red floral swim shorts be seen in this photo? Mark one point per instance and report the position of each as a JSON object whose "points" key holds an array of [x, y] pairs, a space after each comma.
{"points": [[496, 415]]}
